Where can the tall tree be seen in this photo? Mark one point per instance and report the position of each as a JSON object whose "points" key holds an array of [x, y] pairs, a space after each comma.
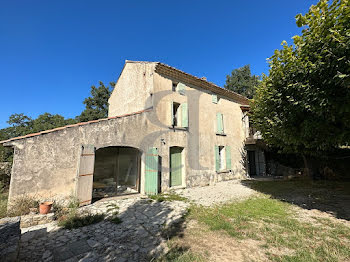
{"points": [[303, 104], [48, 121], [96, 106], [242, 81]]}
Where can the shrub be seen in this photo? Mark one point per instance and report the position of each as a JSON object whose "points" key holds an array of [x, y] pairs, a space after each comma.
{"points": [[3, 202], [74, 220], [22, 205]]}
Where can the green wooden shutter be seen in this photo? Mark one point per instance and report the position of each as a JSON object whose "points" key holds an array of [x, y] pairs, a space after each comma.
{"points": [[220, 128], [151, 172], [217, 158], [184, 115], [175, 166], [181, 88], [228, 157], [172, 113], [214, 98]]}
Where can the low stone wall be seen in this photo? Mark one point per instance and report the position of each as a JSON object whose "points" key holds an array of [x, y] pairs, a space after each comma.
{"points": [[36, 219], [10, 235]]}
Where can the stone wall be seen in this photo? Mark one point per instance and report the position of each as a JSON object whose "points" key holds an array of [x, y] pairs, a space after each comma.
{"points": [[10, 234], [36, 219]]}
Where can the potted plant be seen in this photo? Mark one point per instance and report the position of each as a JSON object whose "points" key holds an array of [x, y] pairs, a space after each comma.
{"points": [[45, 207]]}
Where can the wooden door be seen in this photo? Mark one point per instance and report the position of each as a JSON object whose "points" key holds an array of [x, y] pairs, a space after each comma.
{"points": [[175, 166], [151, 171], [85, 175]]}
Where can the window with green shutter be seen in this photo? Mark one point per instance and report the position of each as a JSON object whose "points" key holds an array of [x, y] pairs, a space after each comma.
{"points": [[217, 159], [228, 157], [184, 115], [181, 88], [219, 123], [214, 98]]}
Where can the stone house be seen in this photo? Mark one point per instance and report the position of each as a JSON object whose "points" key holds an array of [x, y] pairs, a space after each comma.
{"points": [[165, 129]]}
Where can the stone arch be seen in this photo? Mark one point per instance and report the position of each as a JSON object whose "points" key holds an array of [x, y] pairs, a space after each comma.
{"points": [[117, 171]]}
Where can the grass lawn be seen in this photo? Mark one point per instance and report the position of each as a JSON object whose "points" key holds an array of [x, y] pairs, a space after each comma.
{"points": [[270, 228]]}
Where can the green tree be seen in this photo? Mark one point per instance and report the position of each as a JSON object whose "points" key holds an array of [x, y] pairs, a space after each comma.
{"points": [[96, 106], [303, 106], [242, 81], [20, 125], [48, 121]]}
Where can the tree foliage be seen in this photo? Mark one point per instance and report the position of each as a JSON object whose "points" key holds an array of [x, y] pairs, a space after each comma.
{"points": [[242, 81], [96, 106], [303, 105]]}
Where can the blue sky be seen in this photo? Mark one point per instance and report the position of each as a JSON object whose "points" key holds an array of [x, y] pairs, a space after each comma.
{"points": [[51, 52]]}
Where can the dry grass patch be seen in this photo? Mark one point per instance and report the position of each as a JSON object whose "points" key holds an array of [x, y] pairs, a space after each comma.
{"points": [[21, 205], [273, 225]]}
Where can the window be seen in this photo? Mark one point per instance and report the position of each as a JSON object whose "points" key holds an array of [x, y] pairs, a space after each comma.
{"points": [[222, 165], [176, 114], [174, 86], [222, 158], [178, 87], [220, 124], [214, 98], [179, 115]]}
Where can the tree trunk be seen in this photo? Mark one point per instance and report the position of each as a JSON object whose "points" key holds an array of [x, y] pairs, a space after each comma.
{"points": [[308, 170]]}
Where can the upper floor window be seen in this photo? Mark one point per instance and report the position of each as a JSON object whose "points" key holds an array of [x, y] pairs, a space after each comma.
{"points": [[174, 86], [214, 98], [179, 114], [220, 124], [178, 87]]}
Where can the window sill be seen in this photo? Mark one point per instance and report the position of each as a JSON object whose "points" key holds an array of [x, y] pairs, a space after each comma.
{"points": [[221, 134], [223, 171], [178, 128]]}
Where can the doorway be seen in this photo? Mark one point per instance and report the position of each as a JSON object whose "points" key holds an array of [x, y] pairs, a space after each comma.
{"points": [[251, 163], [116, 172], [176, 166]]}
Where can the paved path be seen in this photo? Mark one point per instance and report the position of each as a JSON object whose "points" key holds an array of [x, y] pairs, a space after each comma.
{"points": [[218, 193], [139, 237]]}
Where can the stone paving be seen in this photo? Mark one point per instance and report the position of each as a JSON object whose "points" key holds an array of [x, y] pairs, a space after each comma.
{"points": [[140, 236]]}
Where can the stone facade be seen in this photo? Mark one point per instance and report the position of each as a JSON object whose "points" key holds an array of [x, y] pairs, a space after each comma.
{"points": [[140, 116]]}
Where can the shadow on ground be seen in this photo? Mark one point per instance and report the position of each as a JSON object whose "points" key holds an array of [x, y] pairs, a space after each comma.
{"points": [[328, 196], [142, 235]]}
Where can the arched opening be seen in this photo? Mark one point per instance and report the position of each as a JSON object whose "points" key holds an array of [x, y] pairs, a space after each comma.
{"points": [[116, 171]]}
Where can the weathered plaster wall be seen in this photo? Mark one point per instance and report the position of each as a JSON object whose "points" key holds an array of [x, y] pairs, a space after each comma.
{"points": [[200, 139], [132, 90], [45, 166]]}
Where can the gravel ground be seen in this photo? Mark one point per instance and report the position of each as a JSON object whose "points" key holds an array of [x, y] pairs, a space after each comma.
{"points": [[219, 193]]}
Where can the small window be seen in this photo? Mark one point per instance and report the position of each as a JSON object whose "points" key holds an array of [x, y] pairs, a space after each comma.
{"points": [[181, 88], [174, 86], [176, 114], [220, 124], [214, 98]]}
